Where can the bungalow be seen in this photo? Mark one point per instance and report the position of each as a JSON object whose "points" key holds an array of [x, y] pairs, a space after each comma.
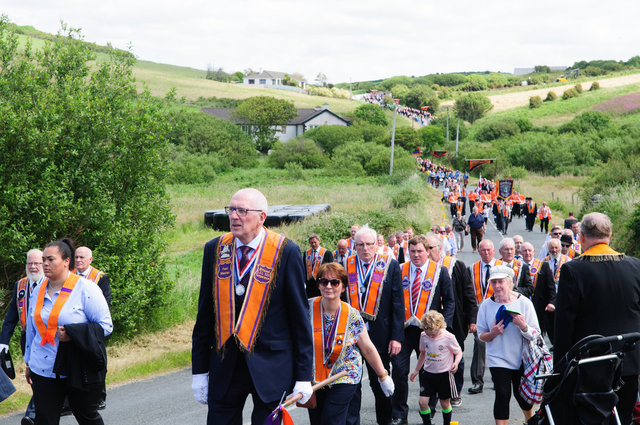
{"points": [[307, 118], [264, 79]]}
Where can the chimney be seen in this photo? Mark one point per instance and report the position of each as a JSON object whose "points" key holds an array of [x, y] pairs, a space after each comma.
{"points": [[325, 106]]}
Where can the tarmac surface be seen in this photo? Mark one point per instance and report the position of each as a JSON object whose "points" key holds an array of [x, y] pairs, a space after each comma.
{"points": [[167, 399]]}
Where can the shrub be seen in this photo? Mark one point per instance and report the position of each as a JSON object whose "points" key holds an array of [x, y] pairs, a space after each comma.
{"points": [[372, 114], [430, 137], [404, 197], [328, 137], [594, 86], [294, 170], [421, 95], [578, 88], [551, 96], [497, 129], [524, 124], [568, 94], [449, 80], [299, 150], [587, 121], [407, 138], [441, 123], [372, 159], [535, 102], [514, 172], [191, 168], [475, 82], [472, 106]]}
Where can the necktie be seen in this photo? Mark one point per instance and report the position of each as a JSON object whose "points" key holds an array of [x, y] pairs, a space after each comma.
{"points": [[486, 277], [415, 288], [245, 250], [313, 261], [555, 265]]}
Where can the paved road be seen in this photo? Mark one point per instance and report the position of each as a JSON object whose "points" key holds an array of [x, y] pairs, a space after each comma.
{"points": [[167, 400]]}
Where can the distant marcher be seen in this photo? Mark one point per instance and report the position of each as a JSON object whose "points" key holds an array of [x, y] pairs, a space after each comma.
{"points": [[342, 252], [476, 227], [460, 228], [314, 256]]}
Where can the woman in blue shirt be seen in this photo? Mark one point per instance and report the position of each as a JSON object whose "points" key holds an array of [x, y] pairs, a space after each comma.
{"points": [[62, 299]]}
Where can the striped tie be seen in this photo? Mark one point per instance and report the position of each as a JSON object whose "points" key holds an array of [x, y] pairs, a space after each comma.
{"points": [[415, 288]]}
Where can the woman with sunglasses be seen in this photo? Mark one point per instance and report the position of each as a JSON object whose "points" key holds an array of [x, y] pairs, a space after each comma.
{"points": [[340, 340], [64, 350]]}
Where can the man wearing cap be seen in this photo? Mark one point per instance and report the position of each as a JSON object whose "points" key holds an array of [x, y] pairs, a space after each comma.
{"points": [[480, 272], [566, 244], [252, 333], [426, 286], [375, 290], [522, 279], [599, 293], [544, 292], [341, 254], [314, 257]]}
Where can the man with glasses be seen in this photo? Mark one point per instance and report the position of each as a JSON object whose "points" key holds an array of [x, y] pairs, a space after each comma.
{"points": [[375, 289], [18, 311], [314, 257], [556, 232], [426, 285], [566, 244], [252, 333]]}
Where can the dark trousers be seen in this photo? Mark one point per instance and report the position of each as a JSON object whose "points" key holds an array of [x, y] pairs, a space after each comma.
{"points": [[459, 380], [628, 395], [31, 410], [530, 220], [401, 368], [503, 381], [544, 222], [49, 394], [229, 410], [476, 237], [382, 402], [478, 360], [332, 405]]}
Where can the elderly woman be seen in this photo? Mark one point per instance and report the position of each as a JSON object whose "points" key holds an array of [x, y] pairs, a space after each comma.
{"points": [[64, 350], [504, 336], [339, 340]]}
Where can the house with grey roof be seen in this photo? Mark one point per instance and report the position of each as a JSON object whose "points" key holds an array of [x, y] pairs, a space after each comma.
{"points": [[264, 79], [306, 119]]}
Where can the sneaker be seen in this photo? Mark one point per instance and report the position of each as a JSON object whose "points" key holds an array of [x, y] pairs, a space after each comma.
{"points": [[456, 401]]}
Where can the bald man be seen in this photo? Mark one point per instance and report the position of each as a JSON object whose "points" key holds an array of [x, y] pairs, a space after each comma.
{"points": [[83, 259]]}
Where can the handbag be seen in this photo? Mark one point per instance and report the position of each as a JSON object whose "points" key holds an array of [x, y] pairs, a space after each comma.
{"points": [[466, 230], [536, 359], [7, 364]]}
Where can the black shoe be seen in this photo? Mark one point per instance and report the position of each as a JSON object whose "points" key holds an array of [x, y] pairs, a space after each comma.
{"points": [[27, 421], [66, 411], [398, 421], [476, 389], [102, 405]]}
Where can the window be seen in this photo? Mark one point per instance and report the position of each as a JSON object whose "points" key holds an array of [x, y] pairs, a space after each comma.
{"points": [[252, 81], [263, 81], [273, 81]]}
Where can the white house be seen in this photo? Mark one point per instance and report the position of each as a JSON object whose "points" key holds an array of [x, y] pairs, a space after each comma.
{"points": [[307, 119], [264, 79]]}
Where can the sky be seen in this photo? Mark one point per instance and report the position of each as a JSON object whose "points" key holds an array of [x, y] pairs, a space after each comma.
{"points": [[349, 40]]}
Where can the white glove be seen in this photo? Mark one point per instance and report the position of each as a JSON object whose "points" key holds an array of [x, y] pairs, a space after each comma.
{"points": [[4, 347], [387, 386], [304, 388], [200, 387]]}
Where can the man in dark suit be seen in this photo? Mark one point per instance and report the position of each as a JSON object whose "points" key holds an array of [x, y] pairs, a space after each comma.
{"points": [[599, 293], [252, 333], [420, 276], [522, 280], [374, 277], [314, 257], [530, 213], [342, 252], [544, 292], [466, 308]]}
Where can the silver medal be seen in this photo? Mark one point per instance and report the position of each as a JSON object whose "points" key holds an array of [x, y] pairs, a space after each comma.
{"points": [[362, 289], [240, 290]]}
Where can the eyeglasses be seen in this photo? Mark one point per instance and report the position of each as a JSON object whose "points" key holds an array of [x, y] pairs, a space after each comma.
{"points": [[34, 264], [565, 245], [367, 244], [556, 234], [323, 281], [242, 212], [431, 247]]}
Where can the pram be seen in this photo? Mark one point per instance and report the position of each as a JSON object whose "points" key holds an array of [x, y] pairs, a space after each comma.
{"points": [[582, 388]]}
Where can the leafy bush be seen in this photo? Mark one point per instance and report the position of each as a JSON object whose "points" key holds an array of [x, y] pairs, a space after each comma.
{"points": [[441, 123], [568, 94], [517, 173], [472, 106], [400, 79], [497, 129], [578, 88], [294, 170], [372, 114], [404, 198], [587, 121], [330, 136], [449, 80], [300, 150], [592, 71], [407, 138], [371, 159], [191, 168], [594, 86], [430, 137], [400, 91], [551, 96], [535, 102], [524, 124], [475, 82], [420, 96]]}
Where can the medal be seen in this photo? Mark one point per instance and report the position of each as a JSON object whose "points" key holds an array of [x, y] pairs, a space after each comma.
{"points": [[362, 289], [240, 290]]}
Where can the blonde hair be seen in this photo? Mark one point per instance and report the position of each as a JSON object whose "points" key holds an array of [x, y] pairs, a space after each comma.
{"points": [[432, 321]]}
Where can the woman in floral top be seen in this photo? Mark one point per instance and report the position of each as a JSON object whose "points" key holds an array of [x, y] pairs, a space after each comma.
{"points": [[340, 341]]}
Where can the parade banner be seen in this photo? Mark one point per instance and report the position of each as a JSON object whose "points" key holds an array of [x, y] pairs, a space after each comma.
{"points": [[474, 163], [505, 188], [439, 154], [417, 151]]}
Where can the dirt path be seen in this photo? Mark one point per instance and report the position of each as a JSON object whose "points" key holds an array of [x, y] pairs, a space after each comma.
{"points": [[505, 101]]}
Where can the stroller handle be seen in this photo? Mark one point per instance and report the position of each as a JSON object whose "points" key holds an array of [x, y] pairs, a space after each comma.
{"points": [[629, 340]]}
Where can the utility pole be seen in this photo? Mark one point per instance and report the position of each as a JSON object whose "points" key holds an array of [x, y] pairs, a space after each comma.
{"points": [[447, 127], [393, 133], [457, 133]]}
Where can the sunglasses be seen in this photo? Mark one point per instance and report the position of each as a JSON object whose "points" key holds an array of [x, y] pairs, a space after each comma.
{"points": [[565, 245], [334, 282]]}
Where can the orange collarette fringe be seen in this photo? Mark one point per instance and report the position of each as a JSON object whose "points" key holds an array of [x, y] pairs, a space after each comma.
{"points": [[599, 253]]}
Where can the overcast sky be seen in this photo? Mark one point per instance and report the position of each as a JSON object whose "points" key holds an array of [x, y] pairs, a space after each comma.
{"points": [[349, 39]]}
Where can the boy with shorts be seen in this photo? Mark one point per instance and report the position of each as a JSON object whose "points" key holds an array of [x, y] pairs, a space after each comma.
{"points": [[440, 354]]}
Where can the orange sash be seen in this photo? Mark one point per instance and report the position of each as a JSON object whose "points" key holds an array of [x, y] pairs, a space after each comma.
{"points": [[396, 250], [536, 264], [477, 283], [259, 288], [379, 263], [324, 363], [48, 332], [310, 262], [21, 301], [94, 275], [563, 259], [448, 262], [517, 268], [413, 313]]}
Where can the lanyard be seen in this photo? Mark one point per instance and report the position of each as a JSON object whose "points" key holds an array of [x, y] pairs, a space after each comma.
{"points": [[240, 273]]}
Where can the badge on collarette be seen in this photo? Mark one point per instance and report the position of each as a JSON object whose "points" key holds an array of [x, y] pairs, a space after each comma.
{"points": [[225, 252], [405, 283], [427, 284]]}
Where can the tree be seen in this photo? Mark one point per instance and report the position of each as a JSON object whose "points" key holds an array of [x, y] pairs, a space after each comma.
{"points": [[321, 79], [421, 95], [83, 155], [262, 114], [472, 106], [217, 74], [430, 137], [373, 114], [476, 82], [542, 69]]}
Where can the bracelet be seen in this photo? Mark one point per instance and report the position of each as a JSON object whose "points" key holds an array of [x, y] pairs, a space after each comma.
{"points": [[384, 374]]}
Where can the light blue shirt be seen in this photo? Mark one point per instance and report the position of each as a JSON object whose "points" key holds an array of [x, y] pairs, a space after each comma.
{"points": [[85, 304]]}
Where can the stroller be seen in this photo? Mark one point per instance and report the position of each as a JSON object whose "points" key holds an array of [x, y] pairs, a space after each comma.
{"points": [[582, 389]]}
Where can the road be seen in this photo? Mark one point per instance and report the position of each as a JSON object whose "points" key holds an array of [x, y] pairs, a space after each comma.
{"points": [[167, 399]]}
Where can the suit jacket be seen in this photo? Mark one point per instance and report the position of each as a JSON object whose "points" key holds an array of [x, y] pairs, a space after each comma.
{"points": [[389, 323], [83, 360], [283, 351], [105, 287], [545, 290], [524, 285], [311, 284], [12, 318], [598, 295], [466, 305]]}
